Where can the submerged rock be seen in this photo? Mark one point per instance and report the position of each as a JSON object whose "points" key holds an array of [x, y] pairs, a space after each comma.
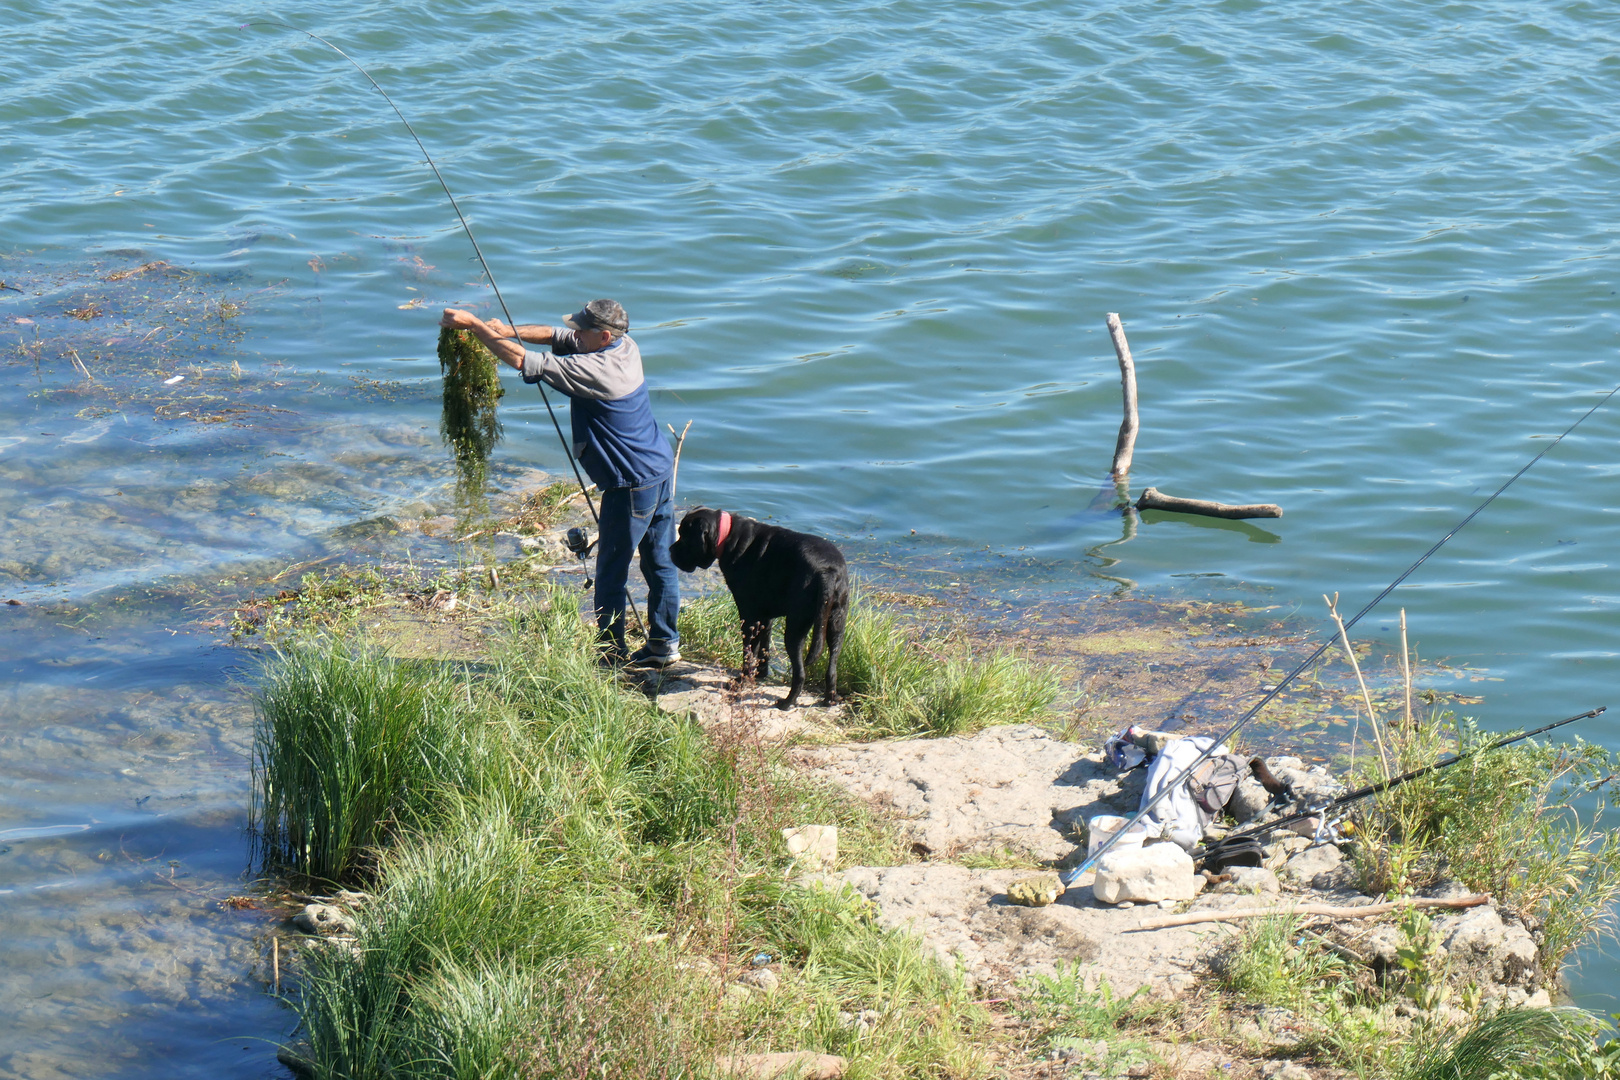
{"points": [[323, 920]]}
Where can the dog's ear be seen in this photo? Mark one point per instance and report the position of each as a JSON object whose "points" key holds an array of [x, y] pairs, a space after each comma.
{"points": [[711, 533]]}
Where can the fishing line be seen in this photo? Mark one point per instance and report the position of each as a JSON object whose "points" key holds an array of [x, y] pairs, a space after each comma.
{"points": [[466, 228], [1071, 876]]}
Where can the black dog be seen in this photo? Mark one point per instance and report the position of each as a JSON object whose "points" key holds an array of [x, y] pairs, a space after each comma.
{"points": [[773, 572]]}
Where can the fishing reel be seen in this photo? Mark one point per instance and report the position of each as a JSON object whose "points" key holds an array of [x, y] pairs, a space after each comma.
{"points": [[580, 543]]}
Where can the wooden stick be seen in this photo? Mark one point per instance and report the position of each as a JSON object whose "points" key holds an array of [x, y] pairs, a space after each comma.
{"points": [[676, 470], [1365, 912], [1152, 499], [1127, 380], [275, 961], [1406, 669]]}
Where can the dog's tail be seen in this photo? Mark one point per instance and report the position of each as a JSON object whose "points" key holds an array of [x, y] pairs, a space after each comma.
{"points": [[830, 592]]}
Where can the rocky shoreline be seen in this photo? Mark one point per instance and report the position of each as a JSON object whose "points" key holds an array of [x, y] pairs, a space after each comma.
{"points": [[1018, 795]]}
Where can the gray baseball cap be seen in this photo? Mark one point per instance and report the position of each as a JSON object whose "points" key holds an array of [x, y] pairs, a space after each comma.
{"points": [[606, 314]]}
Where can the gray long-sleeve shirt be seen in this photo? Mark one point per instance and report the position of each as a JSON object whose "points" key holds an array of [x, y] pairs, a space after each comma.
{"points": [[605, 375], [616, 437]]}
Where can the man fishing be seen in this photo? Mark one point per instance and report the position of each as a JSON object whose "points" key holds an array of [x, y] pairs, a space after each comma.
{"points": [[593, 360]]}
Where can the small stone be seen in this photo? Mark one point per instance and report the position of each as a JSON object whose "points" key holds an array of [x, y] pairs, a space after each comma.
{"points": [[297, 1058], [1251, 880], [1181, 982], [815, 845], [1286, 1070], [1036, 891], [324, 920], [760, 979], [1124, 905], [1166, 904]]}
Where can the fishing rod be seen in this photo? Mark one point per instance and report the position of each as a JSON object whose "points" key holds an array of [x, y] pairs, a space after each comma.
{"points": [[1071, 876], [1385, 785], [478, 251]]}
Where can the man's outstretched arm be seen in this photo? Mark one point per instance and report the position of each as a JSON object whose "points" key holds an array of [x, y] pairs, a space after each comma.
{"points": [[534, 332], [504, 348]]}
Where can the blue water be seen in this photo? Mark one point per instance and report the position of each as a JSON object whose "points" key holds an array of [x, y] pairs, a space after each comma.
{"points": [[1365, 255]]}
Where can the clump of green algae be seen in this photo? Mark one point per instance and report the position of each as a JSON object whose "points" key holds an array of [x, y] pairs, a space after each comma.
{"points": [[469, 424]]}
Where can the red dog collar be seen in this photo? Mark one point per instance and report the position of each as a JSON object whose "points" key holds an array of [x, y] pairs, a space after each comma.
{"points": [[725, 531]]}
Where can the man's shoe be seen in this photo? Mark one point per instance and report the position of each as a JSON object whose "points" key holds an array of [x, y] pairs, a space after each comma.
{"points": [[646, 657], [611, 657]]}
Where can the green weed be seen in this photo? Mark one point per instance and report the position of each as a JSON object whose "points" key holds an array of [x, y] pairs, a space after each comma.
{"points": [[1273, 963], [1503, 822]]}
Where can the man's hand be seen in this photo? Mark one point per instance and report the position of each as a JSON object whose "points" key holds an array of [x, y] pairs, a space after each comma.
{"points": [[497, 343], [457, 319]]}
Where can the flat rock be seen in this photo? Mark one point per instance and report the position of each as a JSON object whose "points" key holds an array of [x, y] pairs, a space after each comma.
{"points": [[1250, 881], [813, 845], [801, 1065], [1322, 861], [701, 691], [1006, 788], [963, 916], [1145, 875]]}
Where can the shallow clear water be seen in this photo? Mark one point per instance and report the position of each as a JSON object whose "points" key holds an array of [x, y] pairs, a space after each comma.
{"points": [[1364, 253]]}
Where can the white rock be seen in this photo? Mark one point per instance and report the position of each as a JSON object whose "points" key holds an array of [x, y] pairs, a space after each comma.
{"points": [[814, 845], [1148, 875]]}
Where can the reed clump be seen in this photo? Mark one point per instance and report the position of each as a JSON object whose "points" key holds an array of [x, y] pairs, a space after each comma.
{"points": [[900, 682], [1522, 822], [566, 880]]}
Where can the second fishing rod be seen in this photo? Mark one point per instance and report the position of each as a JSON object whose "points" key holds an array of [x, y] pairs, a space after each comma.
{"points": [[1072, 875]]}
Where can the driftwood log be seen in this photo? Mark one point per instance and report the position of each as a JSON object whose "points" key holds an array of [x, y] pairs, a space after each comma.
{"points": [[1365, 911], [1127, 380], [1152, 500]]}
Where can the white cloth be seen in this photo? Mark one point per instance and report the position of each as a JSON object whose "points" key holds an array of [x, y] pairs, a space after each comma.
{"points": [[1176, 815]]}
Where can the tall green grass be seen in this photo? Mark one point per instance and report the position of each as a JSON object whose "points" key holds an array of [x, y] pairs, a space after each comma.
{"points": [[350, 745], [1504, 822], [901, 681], [543, 844]]}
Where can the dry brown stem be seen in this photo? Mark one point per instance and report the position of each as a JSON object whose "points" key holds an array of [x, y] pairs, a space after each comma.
{"points": [[1332, 911]]}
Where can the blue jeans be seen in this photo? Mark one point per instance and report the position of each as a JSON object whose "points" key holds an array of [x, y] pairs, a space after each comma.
{"points": [[638, 518]]}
